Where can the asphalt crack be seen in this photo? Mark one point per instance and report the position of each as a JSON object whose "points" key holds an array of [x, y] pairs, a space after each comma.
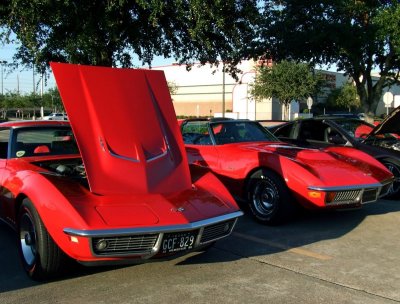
{"points": [[308, 275]]}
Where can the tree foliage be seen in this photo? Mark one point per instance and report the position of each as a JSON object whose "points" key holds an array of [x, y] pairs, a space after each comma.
{"points": [[344, 98], [112, 32], [31, 103], [358, 36], [286, 81], [172, 87]]}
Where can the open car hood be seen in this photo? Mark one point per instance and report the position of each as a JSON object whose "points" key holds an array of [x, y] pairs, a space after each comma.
{"points": [[391, 124], [126, 129]]}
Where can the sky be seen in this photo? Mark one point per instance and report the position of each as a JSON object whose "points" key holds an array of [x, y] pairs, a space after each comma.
{"points": [[10, 80], [23, 79]]}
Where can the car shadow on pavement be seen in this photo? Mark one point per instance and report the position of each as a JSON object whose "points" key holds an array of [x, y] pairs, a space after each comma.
{"points": [[12, 275], [249, 239]]}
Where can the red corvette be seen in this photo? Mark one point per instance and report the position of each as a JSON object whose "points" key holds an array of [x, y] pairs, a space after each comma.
{"points": [[274, 176], [106, 190]]}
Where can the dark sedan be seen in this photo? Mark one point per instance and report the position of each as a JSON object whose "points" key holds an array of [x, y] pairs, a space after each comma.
{"points": [[382, 141]]}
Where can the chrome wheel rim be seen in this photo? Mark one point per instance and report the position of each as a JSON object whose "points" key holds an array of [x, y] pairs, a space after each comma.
{"points": [[265, 197], [28, 239]]}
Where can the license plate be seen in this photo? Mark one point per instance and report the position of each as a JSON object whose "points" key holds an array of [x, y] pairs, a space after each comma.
{"points": [[179, 241]]}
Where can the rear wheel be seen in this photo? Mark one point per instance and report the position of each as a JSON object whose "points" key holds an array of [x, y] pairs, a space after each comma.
{"points": [[270, 200], [39, 254], [395, 169]]}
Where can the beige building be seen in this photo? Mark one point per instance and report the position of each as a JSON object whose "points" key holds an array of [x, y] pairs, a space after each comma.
{"points": [[207, 91], [200, 90]]}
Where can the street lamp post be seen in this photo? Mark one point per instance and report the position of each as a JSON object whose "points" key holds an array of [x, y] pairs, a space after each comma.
{"points": [[309, 105], [2, 62], [223, 89]]}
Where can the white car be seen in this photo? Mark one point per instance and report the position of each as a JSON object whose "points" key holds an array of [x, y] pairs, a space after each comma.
{"points": [[56, 116]]}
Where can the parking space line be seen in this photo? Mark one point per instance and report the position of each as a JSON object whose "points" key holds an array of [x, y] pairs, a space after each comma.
{"points": [[297, 250]]}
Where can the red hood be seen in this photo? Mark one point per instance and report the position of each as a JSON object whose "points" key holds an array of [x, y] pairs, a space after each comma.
{"points": [[391, 124], [281, 148], [126, 129]]}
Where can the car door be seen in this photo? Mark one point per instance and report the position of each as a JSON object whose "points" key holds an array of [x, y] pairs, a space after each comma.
{"points": [[300, 133], [285, 132], [314, 133]]}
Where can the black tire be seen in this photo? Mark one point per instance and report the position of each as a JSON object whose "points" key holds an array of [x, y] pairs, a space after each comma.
{"points": [[393, 167], [40, 256], [270, 200]]}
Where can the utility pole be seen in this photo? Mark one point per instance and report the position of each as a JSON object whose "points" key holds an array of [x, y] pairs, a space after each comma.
{"points": [[33, 78], [223, 89], [2, 62], [41, 87]]}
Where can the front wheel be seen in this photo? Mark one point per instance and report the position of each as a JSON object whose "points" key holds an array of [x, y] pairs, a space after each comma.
{"points": [[39, 254], [269, 198], [394, 191]]}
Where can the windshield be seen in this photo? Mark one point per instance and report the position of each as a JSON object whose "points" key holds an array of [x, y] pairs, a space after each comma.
{"points": [[240, 131], [43, 141]]}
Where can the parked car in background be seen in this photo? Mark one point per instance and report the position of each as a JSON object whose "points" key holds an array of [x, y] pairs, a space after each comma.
{"points": [[56, 116], [338, 115], [381, 141], [108, 191], [274, 177]]}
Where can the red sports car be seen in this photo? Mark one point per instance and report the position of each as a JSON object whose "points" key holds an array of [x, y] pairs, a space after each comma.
{"points": [[381, 141], [274, 176], [106, 190]]}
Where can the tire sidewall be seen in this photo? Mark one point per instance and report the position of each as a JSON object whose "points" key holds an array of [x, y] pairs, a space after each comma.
{"points": [[27, 208]]}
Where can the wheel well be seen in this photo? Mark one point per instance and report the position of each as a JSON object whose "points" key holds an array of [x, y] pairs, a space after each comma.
{"points": [[389, 159], [392, 160], [252, 173]]}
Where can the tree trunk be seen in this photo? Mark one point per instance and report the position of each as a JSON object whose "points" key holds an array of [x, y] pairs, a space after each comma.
{"points": [[370, 93], [286, 110]]}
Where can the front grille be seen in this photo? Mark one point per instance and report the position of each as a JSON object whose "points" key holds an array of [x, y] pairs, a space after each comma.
{"points": [[219, 230], [370, 195], [346, 196], [126, 245]]}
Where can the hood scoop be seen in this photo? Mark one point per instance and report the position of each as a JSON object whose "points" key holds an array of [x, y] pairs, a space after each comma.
{"points": [[126, 129]]}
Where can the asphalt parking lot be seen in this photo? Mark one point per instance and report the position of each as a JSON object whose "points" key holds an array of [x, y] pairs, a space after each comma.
{"points": [[335, 257]]}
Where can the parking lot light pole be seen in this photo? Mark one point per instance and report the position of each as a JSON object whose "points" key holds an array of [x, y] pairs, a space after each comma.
{"points": [[223, 89], [2, 62]]}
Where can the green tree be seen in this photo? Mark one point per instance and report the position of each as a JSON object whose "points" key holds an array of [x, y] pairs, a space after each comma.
{"points": [[344, 97], [111, 32], [52, 100], [286, 81], [34, 102], [358, 36], [30, 103], [14, 100]]}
